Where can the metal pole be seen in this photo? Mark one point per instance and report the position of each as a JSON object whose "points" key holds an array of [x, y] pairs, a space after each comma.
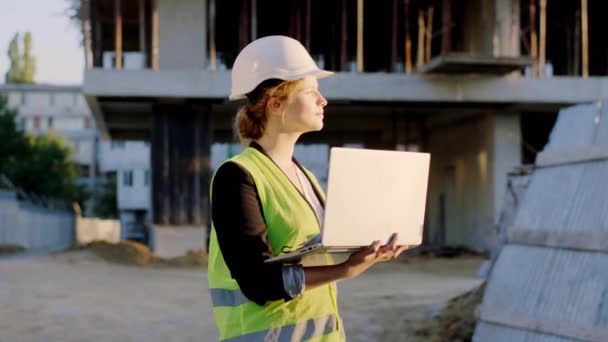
{"points": [[244, 25], [359, 35], [254, 19], [85, 13], [394, 38], [446, 30], [420, 45], [585, 39], [429, 34], [212, 51], [154, 34], [307, 25], [543, 30], [118, 34], [408, 39], [142, 26], [533, 37], [343, 37]]}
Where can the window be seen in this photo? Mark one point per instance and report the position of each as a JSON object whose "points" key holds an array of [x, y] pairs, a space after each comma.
{"points": [[127, 178], [75, 98], [23, 99], [83, 170], [50, 122], [52, 99], [115, 145], [87, 122], [147, 178], [36, 121], [22, 123]]}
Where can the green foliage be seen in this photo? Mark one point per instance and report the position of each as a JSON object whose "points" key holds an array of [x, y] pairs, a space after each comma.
{"points": [[13, 142], [23, 66], [29, 65], [48, 168], [39, 164], [14, 57], [106, 203]]}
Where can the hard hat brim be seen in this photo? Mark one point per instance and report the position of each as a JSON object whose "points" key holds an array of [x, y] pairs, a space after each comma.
{"points": [[317, 73]]}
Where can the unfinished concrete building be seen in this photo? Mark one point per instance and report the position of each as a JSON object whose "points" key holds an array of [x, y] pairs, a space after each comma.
{"points": [[477, 83]]}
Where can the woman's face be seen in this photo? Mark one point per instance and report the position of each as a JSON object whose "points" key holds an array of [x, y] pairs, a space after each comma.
{"points": [[304, 113]]}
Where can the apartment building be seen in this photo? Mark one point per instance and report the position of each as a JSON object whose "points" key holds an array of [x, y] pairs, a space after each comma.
{"points": [[62, 109], [43, 108]]}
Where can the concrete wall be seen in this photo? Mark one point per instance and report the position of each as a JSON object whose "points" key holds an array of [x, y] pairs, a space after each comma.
{"points": [[182, 38], [51, 102], [137, 195], [171, 242], [34, 227], [131, 156], [460, 198], [471, 157], [120, 156], [92, 229]]}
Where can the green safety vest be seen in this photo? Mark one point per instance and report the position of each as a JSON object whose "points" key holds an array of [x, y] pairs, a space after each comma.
{"points": [[312, 316]]}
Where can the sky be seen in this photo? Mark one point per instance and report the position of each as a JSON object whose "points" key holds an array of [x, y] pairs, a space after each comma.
{"points": [[56, 40]]}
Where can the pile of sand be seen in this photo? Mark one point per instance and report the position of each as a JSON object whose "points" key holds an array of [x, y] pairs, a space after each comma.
{"points": [[10, 249], [137, 254], [456, 322]]}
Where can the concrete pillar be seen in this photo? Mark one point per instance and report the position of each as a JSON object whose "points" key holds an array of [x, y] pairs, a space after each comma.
{"points": [[182, 33], [506, 29], [459, 202], [506, 154], [478, 27], [491, 27], [180, 159]]}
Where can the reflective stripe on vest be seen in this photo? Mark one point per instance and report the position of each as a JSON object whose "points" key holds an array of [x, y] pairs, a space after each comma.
{"points": [[298, 332], [223, 297]]}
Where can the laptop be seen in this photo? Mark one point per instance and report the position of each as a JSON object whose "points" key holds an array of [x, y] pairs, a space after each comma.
{"points": [[370, 195]]}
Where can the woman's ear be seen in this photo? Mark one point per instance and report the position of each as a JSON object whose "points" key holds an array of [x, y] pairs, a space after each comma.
{"points": [[274, 106]]}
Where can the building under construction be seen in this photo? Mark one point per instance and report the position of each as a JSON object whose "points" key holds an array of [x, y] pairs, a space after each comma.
{"points": [[477, 83]]}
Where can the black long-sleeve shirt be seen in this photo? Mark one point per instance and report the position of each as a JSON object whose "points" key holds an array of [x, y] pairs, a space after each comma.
{"points": [[242, 235]]}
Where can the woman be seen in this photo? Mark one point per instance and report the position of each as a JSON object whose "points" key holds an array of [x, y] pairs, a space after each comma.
{"points": [[264, 202]]}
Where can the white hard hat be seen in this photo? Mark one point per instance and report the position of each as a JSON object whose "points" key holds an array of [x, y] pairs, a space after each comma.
{"points": [[269, 57]]}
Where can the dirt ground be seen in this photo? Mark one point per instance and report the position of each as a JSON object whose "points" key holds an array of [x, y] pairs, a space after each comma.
{"points": [[76, 296]]}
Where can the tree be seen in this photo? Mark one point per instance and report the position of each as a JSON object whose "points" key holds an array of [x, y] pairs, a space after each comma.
{"points": [[23, 66], [106, 204], [28, 68], [39, 164], [13, 140], [48, 168], [75, 11], [13, 54]]}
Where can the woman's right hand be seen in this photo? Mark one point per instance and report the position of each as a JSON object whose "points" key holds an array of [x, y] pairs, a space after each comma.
{"points": [[357, 263], [360, 261]]}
